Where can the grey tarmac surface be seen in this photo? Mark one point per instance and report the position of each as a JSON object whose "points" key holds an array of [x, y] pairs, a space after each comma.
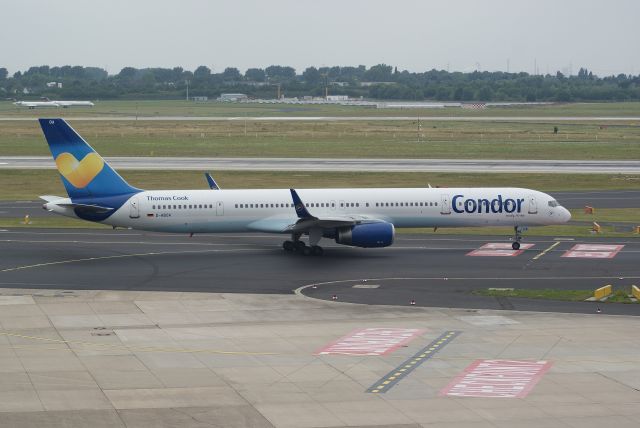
{"points": [[135, 359], [543, 119], [131, 330], [432, 269], [356, 165], [594, 198]]}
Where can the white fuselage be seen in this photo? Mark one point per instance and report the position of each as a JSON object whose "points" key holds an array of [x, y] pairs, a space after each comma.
{"points": [[211, 211], [64, 104]]}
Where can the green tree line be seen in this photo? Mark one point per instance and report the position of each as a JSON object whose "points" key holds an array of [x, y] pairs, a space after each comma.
{"points": [[380, 81]]}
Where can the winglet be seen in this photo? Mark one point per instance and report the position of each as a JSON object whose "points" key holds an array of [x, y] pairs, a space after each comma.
{"points": [[301, 210], [212, 183]]}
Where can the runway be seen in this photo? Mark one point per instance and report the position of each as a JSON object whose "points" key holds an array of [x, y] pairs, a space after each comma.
{"points": [[543, 119], [354, 165], [434, 270]]}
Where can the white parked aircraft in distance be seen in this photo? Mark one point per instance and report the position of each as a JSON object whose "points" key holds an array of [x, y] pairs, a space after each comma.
{"points": [[357, 217], [48, 103], [35, 104], [66, 104]]}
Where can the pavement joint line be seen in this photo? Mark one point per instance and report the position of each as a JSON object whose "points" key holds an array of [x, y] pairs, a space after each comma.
{"points": [[547, 250], [134, 348], [389, 380]]}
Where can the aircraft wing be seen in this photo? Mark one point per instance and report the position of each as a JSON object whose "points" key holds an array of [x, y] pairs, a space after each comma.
{"points": [[304, 221], [289, 224], [303, 225]]}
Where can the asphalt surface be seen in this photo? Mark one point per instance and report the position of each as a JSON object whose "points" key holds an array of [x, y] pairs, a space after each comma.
{"points": [[596, 199], [356, 165], [433, 270], [54, 113]]}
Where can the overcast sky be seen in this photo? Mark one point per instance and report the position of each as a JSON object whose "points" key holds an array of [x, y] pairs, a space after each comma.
{"points": [[418, 35]]}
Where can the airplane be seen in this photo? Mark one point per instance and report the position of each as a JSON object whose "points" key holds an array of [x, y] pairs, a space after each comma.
{"points": [[48, 103], [65, 104], [365, 218], [35, 104]]}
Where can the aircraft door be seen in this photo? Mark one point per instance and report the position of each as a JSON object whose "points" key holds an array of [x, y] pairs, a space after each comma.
{"points": [[220, 208], [134, 209], [445, 207], [533, 205]]}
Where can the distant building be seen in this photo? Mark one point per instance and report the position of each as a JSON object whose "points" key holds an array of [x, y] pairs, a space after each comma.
{"points": [[376, 83], [474, 106], [233, 97], [54, 84], [337, 97], [200, 99]]}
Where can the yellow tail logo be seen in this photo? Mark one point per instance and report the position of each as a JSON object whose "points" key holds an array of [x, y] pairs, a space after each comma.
{"points": [[79, 173]]}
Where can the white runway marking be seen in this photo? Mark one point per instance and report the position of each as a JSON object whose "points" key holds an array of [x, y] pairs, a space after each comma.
{"points": [[120, 256]]}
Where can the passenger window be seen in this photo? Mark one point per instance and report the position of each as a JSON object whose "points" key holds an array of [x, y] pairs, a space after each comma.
{"points": [[435, 203], [357, 204], [153, 207], [367, 204]]}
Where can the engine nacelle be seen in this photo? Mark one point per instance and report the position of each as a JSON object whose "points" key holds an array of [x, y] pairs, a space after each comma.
{"points": [[366, 235]]}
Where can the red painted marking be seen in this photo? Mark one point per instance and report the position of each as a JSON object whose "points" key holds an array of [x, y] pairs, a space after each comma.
{"points": [[593, 251], [498, 249], [497, 379], [371, 341], [597, 247]]}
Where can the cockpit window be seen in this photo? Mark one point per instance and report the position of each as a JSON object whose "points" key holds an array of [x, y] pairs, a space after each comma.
{"points": [[553, 203]]}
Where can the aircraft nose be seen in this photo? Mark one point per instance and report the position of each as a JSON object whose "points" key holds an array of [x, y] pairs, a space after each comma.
{"points": [[566, 214]]}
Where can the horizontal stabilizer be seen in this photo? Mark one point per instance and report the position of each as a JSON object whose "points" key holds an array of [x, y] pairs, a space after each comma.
{"points": [[97, 209], [50, 198]]}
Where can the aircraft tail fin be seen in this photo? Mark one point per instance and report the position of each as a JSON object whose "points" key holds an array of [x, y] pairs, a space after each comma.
{"points": [[84, 173]]}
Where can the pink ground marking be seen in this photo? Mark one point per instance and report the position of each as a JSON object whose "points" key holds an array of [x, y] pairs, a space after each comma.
{"points": [[593, 251], [499, 249], [497, 379], [371, 341]]}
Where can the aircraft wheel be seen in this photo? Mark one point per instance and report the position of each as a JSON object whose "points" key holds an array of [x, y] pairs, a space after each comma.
{"points": [[306, 251], [299, 246], [515, 245], [288, 246], [317, 250]]}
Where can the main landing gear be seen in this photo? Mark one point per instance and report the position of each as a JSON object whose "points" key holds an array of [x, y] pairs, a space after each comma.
{"points": [[302, 248], [517, 237], [297, 246]]}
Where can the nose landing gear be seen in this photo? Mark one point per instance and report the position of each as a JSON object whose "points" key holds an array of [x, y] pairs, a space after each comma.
{"points": [[517, 237]]}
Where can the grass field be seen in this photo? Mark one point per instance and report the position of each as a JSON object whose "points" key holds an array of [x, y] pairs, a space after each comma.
{"points": [[386, 139], [186, 108], [620, 296]]}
